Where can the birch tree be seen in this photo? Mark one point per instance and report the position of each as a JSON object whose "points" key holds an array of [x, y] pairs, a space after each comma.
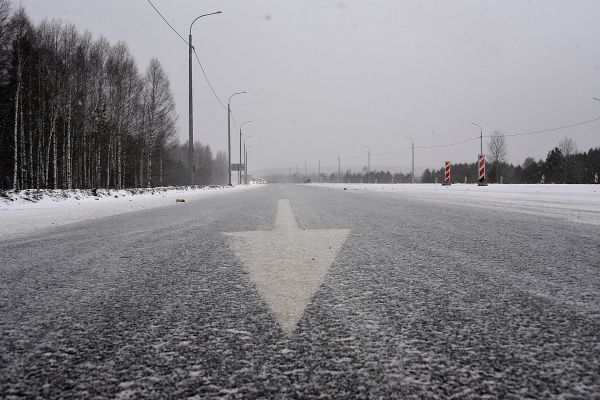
{"points": [[497, 150]]}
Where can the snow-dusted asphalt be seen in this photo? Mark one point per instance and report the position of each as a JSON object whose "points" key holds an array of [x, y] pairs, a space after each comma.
{"points": [[423, 301]]}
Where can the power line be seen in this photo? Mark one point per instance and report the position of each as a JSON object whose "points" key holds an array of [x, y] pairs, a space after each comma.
{"points": [[390, 153], [164, 19], [552, 129], [195, 54], [448, 144], [208, 80]]}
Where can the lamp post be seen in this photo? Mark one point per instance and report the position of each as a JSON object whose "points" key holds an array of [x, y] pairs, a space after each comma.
{"points": [[412, 174], [239, 170], [305, 175], [339, 169], [368, 163], [245, 169], [246, 159], [319, 167], [229, 132], [480, 136], [191, 108], [481, 181]]}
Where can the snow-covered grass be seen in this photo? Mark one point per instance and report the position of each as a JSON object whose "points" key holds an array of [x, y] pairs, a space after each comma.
{"points": [[32, 210], [578, 203]]}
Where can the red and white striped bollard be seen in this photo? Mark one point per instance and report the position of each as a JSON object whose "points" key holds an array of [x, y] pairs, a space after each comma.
{"points": [[481, 168], [447, 174]]}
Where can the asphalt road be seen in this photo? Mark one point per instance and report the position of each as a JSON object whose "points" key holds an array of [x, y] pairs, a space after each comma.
{"points": [[422, 301]]}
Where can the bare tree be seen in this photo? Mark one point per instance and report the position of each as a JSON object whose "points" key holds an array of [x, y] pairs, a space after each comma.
{"points": [[5, 39], [159, 116], [497, 150], [567, 146]]}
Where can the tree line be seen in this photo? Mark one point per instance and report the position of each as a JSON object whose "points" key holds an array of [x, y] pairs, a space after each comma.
{"points": [[75, 112], [563, 164]]}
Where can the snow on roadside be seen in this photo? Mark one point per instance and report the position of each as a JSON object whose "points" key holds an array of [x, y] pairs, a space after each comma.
{"points": [[576, 203], [30, 211]]}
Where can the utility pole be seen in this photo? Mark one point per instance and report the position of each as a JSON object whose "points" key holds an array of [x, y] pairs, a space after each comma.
{"points": [[319, 168], [246, 159], [481, 173], [190, 98], [369, 167], [229, 133], [239, 170], [480, 136], [412, 174], [305, 175], [368, 163], [296, 176], [339, 171], [191, 114]]}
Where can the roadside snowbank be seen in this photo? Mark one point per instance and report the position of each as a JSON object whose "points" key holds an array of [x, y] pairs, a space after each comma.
{"points": [[576, 203], [33, 210]]}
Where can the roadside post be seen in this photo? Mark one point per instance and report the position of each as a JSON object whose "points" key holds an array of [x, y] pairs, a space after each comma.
{"points": [[481, 180], [447, 174]]}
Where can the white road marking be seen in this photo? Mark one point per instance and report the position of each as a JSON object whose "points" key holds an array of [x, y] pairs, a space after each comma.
{"points": [[288, 264]]}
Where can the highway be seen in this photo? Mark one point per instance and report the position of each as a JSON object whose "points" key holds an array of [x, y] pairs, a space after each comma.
{"points": [[293, 291]]}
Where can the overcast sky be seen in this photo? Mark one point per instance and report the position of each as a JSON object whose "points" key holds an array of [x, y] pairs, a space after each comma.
{"points": [[331, 76]]}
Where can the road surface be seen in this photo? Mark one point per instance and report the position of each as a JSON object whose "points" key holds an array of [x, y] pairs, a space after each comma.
{"points": [[381, 297]]}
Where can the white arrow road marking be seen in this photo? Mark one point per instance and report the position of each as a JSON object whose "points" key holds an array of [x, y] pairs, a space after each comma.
{"points": [[288, 264]]}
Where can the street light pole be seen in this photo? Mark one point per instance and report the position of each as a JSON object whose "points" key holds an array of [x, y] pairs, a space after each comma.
{"points": [[246, 159], [305, 175], [368, 163], [339, 169], [239, 170], [319, 168], [480, 136], [412, 174], [191, 108], [481, 182], [229, 133]]}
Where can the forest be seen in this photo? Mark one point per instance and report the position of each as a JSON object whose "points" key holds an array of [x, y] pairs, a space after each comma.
{"points": [[76, 112], [563, 164]]}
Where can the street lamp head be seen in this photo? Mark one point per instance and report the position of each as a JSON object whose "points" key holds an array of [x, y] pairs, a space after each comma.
{"points": [[200, 16], [235, 94], [595, 98]]}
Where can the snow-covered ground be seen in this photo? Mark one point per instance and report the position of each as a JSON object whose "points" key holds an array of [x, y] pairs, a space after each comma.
{"points": [[577, 203], [31, 211]]}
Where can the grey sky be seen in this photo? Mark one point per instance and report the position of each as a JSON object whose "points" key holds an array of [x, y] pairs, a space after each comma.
{"points": [[325, 77]]}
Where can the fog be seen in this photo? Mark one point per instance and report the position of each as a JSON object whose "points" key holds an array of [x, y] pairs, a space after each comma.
{"points": [[331, 77]]}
